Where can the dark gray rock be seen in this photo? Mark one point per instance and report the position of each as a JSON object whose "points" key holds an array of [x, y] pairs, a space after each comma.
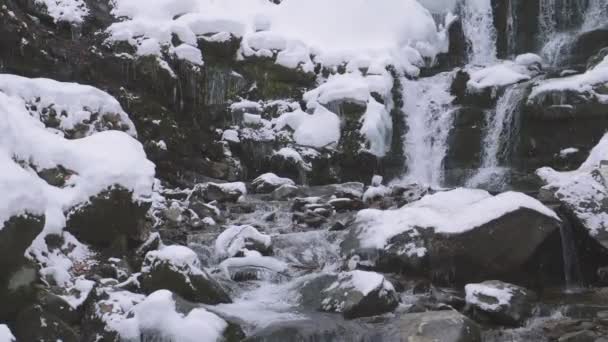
{"points": [[500, 302], [34, 324]]}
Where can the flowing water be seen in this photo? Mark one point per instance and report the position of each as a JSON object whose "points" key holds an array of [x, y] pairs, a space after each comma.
{"points": [[429, 118], [498, 140], [478, 26]]}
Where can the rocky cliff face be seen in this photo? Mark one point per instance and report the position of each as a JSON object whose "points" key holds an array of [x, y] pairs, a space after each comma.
{"points": [[303, 170]]}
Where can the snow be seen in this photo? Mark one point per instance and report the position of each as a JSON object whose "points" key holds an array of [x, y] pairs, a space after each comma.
{"points": [[475, 291], [179, 258], [79, 292], [320, 129], [375, 192], [342, 30], [450, 212], [189, 53], [5, 334], [568, 151], [377, 128], [528, 59], [231, 135], [352, 86], [498, 75], [71, 11], [361, 281], [236, 238], [76, 102], [577, 83], [158, 314], [272, 179]]}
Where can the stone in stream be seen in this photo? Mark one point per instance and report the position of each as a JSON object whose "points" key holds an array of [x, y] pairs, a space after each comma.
{"points": [[501, 303], [177, 268], [354, 294], [457, 236]]}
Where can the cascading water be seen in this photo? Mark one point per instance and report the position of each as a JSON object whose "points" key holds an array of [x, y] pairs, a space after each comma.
{"points": [[478, 26], [429, 117], [500, 127], [561, 21]]}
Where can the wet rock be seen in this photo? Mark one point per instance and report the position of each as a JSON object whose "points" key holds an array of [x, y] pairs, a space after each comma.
{"points": [[18, 290], [502, 303], [448, 326], [109, 217], [34, 324], [58, 307], [346, 204], [408, 193], [354, 294], [177, 269], [269, 182], [579, 336]]}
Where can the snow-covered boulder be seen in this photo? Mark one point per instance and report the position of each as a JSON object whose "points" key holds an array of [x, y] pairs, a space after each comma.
{"points": [[457, 235], [178, 269], [285, 192], [221, 192], [109, 216], [269, 182], [235, 239], [354, 294], [126, 316], [503, 303], [580, 96]]}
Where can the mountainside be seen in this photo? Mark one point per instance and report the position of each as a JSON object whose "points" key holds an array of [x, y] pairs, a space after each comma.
{"points": [[303, 170]]}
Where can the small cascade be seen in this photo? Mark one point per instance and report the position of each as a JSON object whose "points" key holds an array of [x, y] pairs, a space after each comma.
{"points": [[497, 143], [478, 26], [572, 270], [561, 21], [429, 118]]}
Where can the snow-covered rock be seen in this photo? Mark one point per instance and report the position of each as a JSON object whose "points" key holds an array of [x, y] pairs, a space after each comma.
{"points": [[504, 303], [161, 315], [359, 294], [177, 268], [584, 191], [496, 234], [221, 192], [232, 241], [252, 265], [269, 182]]}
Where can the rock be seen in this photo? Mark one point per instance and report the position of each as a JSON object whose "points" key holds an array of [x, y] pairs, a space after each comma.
{"points": [[58, 307], [345, 204], [355, 294], [110, 217], [232, 241], [34, 324], [18, 276], [269, 182], [254, 266], [497, 247], [408, 193], [503, 303], [444, 326], [177, 268], [579, 336], [221, 192], [352, 190]]}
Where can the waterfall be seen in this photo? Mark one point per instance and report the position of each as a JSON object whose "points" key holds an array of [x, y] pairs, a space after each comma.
{"points": [[572, 270], [500, 127], [561, 21], [429, 117], [478, 26]]}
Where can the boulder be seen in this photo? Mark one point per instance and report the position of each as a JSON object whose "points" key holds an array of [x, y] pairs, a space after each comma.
{"points": [[34, 324], [221, 192], [177, 268], [354, 294], [502, 303], [285, 192], [269, 182], [109, 217], [454, 237], [444, 326]]}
